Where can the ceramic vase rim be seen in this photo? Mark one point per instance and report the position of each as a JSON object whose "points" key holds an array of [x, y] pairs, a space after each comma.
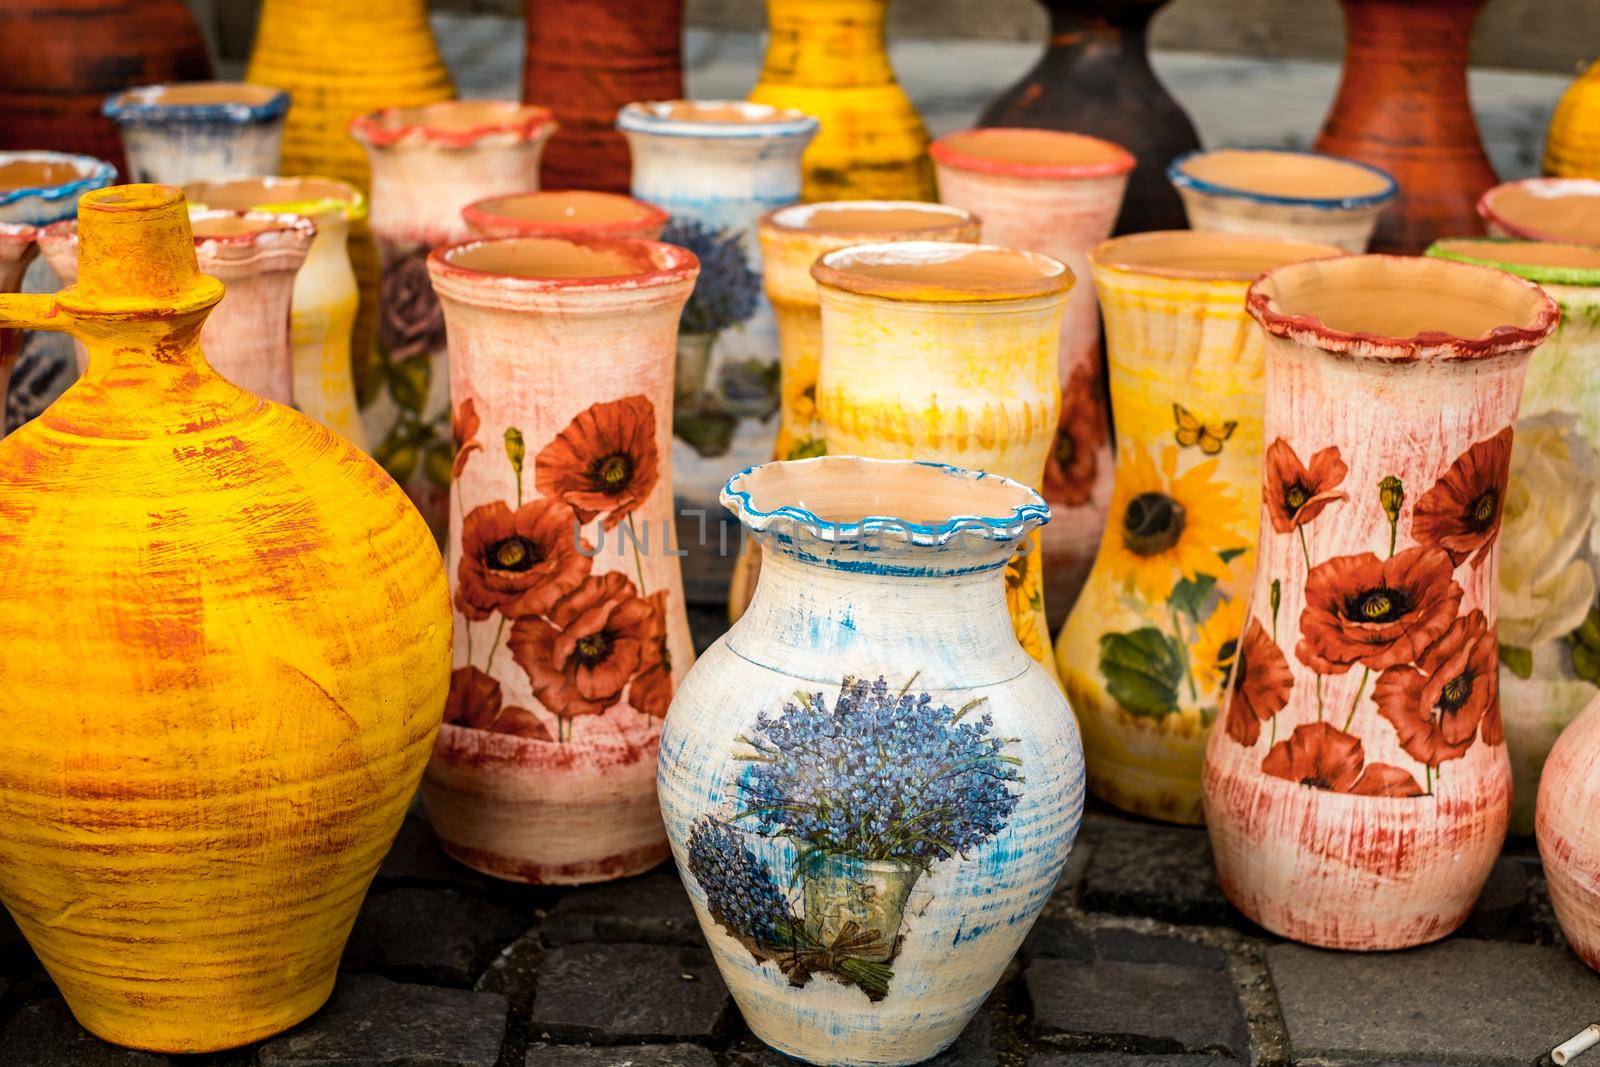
{"points": [[1542, 274], [794, 219], [190, 291], [415, 126], [1544, 188], [93, 174], [483, 215], [1183, 180], [654, 117], [669, 265], [1051, 277], [352, 204], [143, 105], [284, 231], [946, 154], [1104, 256]]}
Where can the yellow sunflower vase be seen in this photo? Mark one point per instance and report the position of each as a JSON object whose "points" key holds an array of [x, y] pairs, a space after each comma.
{"points": [[1148, 647]]}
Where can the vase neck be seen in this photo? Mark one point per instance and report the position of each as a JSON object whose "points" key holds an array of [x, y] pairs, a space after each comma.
{"points": [[839, 42], [1107, 26], [1431, 38]]}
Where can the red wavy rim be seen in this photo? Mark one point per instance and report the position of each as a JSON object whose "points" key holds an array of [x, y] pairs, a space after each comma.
{"points": [[1487, 213], [944, 153], [481, 213], [672, 265], [372, 129]]}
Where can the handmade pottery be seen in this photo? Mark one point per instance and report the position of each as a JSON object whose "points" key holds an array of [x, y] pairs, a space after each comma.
{"points": [[829, 59], [947, 352], [1572, 146], [569, 213], [1559, 210], [571, 629], [177, 133], [427, 164], [1095, 78], [791, 240], [1358, 792], [1569, 836], [1056, 193], [868, 788], [60, 58], [1148, 646], [269, 618], [587, 58], [17, 250], [323, 313], [1403, 107], [1278, 192], [1549, 624], [717, 166]]}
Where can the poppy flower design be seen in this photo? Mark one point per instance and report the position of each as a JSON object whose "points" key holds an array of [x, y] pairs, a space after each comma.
{"points": [[1461, 513], [583, 655], [604, 462], [1073, 462], [474, 702], [1437, 705], [1376, 612], [1294, 493], [651, 691], [1261, 684], [464, 424], [518, 563], [1319, 756], [410, 319]]}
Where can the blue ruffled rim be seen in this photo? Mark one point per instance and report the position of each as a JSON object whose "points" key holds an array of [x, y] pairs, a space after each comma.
{"points": [[100, 174], [639, 118], [120, 107], [1184, 180]]}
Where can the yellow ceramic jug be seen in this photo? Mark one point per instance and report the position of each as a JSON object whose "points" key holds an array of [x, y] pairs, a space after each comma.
{"points": [[227, 639]]}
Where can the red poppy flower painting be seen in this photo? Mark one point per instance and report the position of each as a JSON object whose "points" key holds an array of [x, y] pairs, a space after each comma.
{"points": [[1437, 705], [1073, 463], [464, 424], [1294, 493], [651, 691], [581, 658], [1319, 756], [1261, 684], [1461, 513], [474, 702], [518, 563], [1376, 612], [605, 462]]}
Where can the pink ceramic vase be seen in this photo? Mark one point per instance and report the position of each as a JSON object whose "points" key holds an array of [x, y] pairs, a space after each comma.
{"points": [[570, 624], [17, 250], [1056, 193], [1357, 789], [572, 213], [1569, 833], [58, 245]]}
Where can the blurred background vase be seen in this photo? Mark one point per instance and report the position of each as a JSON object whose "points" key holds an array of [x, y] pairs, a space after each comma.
{"points": [[1569, 835], [177, 133], [17, 250], [568, 213], [1572, 145], [1558, 210]]}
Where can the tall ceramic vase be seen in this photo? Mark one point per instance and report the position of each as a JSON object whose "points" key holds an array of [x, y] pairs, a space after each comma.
{"points": [[427, 164], [1148, 646], [586, 59], [571, 213], [1569, 836], [1572, 145], [868, 830], [1358, 793], [570, 623], [1095, 78], [829, 59], [1403, 106], [1549, 625], [947, 352], [177, 133], [268, 615], [717, 166], [1056, 193], [1560, 210], [323, 311]]}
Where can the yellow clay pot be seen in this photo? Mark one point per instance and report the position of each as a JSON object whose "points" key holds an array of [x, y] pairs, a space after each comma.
{"points": [[1572, 147]]}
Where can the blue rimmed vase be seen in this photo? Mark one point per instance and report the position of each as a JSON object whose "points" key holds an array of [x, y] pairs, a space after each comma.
{"points": [[198, 130]]}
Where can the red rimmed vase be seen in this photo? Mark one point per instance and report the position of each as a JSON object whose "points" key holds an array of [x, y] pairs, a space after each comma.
{"points": [[569, 213], [1569, 835], [1558, 210]]}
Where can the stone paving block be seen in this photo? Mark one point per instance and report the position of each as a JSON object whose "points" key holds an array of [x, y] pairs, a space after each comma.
{"points": [[1504, 911], [1112, 1059], [46, 1035], [373, 1022], [1057, 939], [1482, 1002], [416, 857], [652, 909], [974, 1048], [1135, 1007], [1160, 872], [628, 994], [622, 1056], [435, 936], [1130, 946]]}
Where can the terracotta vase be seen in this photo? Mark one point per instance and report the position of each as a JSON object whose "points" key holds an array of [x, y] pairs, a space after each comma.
{"points": [[947, 353], [323, 310], [1403, 106], [1549, 624], [569, 213], [1095, 79], [571, 629], [1358, 794], [228, 546], [60, 58], [1147, 648], [717, 166], [869, 829], [1544, 209], [1277, 192], [829, 59], [1572, 146], [427, 164], [1569, 837], [586, 59], [177, 133], [1056, 193]]}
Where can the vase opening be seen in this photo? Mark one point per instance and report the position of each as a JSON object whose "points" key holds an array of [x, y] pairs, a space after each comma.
{"points": [[1024, 153], [1313, 179], [872, 217], [940, 270], [56, 178], [310, 196], [244, 227], [1544, 262], [1545, 209], [564, 209], [238, 102], [454, 123], [35, 174], [1193, 254], [714, 118], [559, 264]]}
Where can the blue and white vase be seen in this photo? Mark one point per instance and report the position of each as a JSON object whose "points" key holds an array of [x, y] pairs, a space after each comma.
{"points": [[869, 787], [717, 166], [192, 131]]}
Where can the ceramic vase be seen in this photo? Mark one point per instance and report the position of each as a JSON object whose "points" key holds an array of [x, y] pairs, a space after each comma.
{"points": [[1549, 624], [947, 352], [60, 58], [1572, 145], [1403, 106], [17, 250], [1358, 792], [177, 133], [1095, 79], [717, 166], [1305, 196], [586, 59], [1557, 210], [570, 623], [1055, 193], [229, 546], [1569, 838], [829, 59], [323, 310], [869, 827], [427, 164], [1149, 643], [567, 213]]}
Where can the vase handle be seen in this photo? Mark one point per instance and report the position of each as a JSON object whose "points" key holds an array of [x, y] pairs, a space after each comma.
{"points": [[33, 311]]}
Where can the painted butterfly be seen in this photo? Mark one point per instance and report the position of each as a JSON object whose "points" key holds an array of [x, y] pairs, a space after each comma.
{"points": [[1191, 431]]}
